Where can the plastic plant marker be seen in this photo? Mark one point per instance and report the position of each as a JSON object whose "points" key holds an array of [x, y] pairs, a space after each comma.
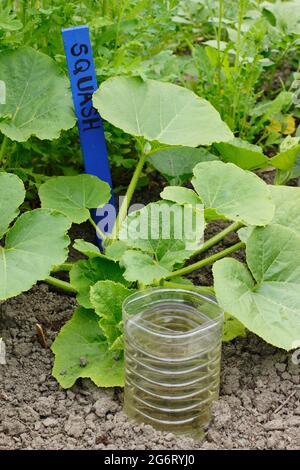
{"points": [[83, 81]]}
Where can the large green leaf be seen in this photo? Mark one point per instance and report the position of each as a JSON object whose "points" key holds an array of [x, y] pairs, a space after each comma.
{"points": [[242, 154], [38, 101], [107, 298], [177, 163], [269, 302], [74, 195], [85, 273], [12, 194], [81, 350], [35, 243], [160, 112], [234, 193]]}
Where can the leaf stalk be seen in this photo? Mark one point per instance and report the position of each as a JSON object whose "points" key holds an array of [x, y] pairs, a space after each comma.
{"points": [[66, 286], [218, 238], [206, 261], [128, 196]]}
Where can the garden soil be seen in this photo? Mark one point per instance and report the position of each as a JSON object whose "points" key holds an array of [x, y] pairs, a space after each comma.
{"points": [[259, 405]]}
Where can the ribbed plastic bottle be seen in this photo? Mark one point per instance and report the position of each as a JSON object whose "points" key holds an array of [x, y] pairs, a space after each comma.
{"points": [[172, 358]]}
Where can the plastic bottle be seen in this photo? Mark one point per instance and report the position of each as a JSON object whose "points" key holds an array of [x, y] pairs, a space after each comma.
{"points": [[172, 358]]}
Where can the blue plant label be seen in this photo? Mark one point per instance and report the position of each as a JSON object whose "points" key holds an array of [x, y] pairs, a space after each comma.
{"points": [[83, 81]]}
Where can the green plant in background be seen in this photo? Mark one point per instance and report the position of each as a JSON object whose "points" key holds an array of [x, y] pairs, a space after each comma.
{"points": [[261, 295]]}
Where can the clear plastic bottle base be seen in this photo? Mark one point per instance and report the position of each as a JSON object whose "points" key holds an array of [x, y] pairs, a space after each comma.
{"points": [[172, 357]]}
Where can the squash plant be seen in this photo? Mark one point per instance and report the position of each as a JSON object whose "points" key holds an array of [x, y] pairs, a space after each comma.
{"points": [[261, 295]]}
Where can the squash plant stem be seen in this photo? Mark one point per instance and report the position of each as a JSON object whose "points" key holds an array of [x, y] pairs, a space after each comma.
{"points": [[66, 286], [98, 230], [62, 267], [217, 238], [204, 262]]}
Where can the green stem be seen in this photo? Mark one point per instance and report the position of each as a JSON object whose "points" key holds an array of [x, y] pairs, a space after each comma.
{"points": [[119, 20], [62, 267], [236, 99], [66, 286], [24, 13], [104, 7], [239, 31], [219, 32], [98, 230], [217, 238], [128, 196], [3, 148], [204, 262], [200, 289]]}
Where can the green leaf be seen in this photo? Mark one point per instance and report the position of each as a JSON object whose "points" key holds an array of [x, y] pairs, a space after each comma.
{"points": [[2, 96], [270, 307], [116, 250], [38, 101], [242, 154], [244, 233], [232, 328], [74, 195], [86, 248], [160, 112], [287, 15], [287, 210], [86, 273], [177, 164], [12, 194], [180, 195], [285, 160], [268, 109], [8, 20], [234, 193], [107, 298], [35, 244], [81, 350], [142, 267], [183, 280], [166, 233]]}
